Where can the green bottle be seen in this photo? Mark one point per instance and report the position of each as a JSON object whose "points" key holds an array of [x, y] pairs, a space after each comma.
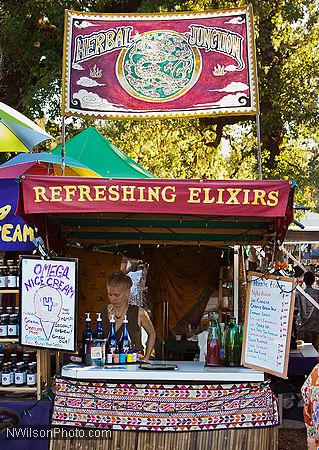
{"points": [[241, 338], [232, 344]]}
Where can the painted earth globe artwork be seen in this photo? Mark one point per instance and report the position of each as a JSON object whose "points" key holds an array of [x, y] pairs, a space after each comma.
{"points": [[159, 66]]}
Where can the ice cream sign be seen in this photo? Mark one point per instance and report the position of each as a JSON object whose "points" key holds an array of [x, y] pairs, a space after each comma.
{"points": [[48, 303]]}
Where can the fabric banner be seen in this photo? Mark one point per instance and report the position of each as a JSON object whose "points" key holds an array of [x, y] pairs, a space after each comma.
{"points": [[206, 197], [159, 65], [157, 407], [184, 278], [15, 234]]}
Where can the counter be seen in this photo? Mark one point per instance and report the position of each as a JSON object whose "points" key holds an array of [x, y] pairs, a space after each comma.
{"points": [[190, 407], [188, 371]]}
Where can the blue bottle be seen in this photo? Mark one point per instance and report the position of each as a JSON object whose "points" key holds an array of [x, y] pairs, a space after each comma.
{"points": [[112, 342], [99, 334], [86, 340], [125, 341]]}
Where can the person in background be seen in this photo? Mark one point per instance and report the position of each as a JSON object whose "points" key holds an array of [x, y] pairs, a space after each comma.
{"points": [[308, 320], [118, 291], [137, 275], [310, 395]]}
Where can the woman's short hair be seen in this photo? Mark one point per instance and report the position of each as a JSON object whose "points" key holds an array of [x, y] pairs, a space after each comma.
{"points": [[119, 278], [309, 278]]}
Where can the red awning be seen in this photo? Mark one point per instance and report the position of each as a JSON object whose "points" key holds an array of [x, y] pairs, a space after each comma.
{"points": [[165, 196], [153, 210]]}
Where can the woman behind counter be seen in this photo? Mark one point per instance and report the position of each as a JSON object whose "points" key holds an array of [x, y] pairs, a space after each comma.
{"points": [[118, 290]]}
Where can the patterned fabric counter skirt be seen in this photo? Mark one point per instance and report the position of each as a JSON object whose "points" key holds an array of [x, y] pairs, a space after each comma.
{"points": [[156, 407]]}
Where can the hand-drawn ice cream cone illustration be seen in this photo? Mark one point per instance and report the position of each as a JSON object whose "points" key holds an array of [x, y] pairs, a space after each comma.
{"points": [[47, 306]]}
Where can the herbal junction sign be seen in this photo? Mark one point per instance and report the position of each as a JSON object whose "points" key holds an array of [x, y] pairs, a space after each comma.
{"points": [[159, 65]]}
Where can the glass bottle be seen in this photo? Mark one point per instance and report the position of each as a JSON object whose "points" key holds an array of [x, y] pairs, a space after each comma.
{"points": [[109, 356], [3, 277], [241, 338], [86, 340], [13, 325], [31, 375], [134, 353], [99, 327], [116, 355], [222, 344], [26, 358], [11, 276], [213, 344], [232, 343], [112, 339], [6, 380], [4, 325], [125, 341], [11, 372], [19, 375], [123, 356], [16, 274], [14, 359]]}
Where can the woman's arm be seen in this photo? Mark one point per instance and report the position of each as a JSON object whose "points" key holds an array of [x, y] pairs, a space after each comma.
{"points": [[145, 322]]}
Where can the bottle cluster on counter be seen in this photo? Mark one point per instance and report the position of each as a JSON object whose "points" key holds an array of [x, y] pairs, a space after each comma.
{"points": [[98, 350], [17, 369], [224, 343]]}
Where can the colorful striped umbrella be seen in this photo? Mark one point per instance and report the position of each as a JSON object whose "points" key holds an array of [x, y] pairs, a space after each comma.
{"points": [[44, 164], [17, 132]]}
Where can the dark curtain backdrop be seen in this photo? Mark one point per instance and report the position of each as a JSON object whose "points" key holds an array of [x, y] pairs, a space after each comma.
{"points": [[184, 277]]}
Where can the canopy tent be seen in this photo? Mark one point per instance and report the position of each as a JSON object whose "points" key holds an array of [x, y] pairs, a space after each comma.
{"points": [[168, 223], [310, 232], [117, 212], [95, 151]]}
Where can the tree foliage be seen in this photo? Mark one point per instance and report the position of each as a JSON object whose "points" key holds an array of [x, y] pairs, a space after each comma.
{"points": [[287, 38]]}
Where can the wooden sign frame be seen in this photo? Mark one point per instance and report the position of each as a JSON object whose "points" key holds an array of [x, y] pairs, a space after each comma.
{"points": [[278, 310]]}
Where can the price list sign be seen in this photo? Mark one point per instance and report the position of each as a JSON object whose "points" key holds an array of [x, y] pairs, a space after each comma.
{"points": [[268, 323]]}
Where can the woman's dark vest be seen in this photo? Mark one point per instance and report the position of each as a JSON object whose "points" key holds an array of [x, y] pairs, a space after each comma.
{"points": [[133, 327]]}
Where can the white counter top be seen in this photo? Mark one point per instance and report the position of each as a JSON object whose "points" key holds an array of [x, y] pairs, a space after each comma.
{"points": [[185, 371]]}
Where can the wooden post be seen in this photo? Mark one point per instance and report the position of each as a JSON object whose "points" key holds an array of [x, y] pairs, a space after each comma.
{"points": [[43, 371]]}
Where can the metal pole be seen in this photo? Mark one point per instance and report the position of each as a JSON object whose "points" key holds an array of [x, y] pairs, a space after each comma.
{"points": [[260, 175], [63, 146], [236, 282]]}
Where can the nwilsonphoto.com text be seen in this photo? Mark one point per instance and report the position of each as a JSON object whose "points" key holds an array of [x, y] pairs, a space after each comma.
{"points": [[56, 433]]}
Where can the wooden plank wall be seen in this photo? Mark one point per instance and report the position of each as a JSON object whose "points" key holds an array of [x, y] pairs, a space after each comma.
{"points": [[244, 439]]}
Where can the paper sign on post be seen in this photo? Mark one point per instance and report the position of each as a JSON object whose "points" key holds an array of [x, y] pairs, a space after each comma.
{"points": [[268, 322], [48, 301]]}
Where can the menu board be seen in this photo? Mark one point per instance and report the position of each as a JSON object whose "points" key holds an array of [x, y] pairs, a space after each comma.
{"points": [[268, 322], [48, 301]]}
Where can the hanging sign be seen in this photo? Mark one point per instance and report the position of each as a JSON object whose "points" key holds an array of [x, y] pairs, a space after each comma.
{"points": [[48, 303], [159, 65], [207, 197], [15, 234], [268, 322]]}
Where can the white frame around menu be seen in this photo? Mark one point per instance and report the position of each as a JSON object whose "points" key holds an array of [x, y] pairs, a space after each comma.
{"points": [[48, 303], [268, 323]]}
